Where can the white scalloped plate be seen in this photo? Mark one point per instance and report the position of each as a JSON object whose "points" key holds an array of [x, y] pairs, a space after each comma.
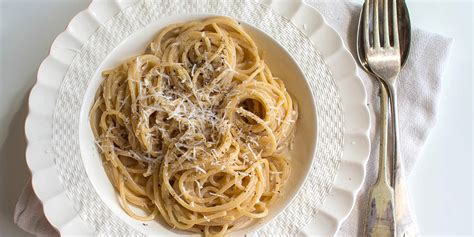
{"points": [[48, 184]]}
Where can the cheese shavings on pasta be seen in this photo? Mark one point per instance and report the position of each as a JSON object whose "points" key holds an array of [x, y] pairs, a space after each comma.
{"points": [[196, 130]]}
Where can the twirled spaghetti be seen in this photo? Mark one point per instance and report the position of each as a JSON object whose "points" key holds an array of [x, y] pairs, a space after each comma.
{"points": [[195, 130]]}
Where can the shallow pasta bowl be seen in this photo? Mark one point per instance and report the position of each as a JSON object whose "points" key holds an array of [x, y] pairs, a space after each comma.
{"points": [[72, 177], [282, 65]]}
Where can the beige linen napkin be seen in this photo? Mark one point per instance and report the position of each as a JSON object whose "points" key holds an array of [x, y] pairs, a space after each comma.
{"points": [[419, 88]]}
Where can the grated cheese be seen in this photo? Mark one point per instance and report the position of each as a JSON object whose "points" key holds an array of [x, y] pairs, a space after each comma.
{"points": [[200, 169]]}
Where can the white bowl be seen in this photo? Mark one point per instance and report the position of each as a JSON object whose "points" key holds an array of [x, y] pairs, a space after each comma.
{"points": [[281, 64], [59, 149]]}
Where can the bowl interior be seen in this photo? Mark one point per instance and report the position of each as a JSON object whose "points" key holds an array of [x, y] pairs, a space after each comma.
{"points": [[282, 66]]}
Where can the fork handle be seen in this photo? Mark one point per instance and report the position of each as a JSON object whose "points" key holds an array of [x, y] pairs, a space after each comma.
{"points": [[380, 219]]}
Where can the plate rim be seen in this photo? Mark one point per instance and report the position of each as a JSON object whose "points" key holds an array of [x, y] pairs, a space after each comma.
{"points": [[41, 174]]}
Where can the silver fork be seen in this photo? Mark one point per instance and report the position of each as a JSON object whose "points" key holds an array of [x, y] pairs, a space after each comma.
{"points": [[385, 62]]}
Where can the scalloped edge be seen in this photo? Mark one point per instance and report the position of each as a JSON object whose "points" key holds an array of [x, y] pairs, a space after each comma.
{"points": [[65, 47], [345, 187]]}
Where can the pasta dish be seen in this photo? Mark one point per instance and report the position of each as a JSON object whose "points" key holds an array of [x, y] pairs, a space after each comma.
{"points": [[196, 131]]}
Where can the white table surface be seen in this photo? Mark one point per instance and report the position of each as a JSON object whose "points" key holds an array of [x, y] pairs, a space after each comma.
{"points": [[441, 184]]}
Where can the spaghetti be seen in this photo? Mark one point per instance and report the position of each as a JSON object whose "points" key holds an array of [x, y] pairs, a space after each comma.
{"points": [[196, 130]]}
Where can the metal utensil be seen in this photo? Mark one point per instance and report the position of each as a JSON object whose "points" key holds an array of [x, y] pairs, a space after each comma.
{"points": [[383, 62], [386, 61], [404, 36], [381, 218]]}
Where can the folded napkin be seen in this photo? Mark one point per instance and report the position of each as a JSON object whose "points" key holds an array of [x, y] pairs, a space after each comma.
{"points": [[419, 88]]}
